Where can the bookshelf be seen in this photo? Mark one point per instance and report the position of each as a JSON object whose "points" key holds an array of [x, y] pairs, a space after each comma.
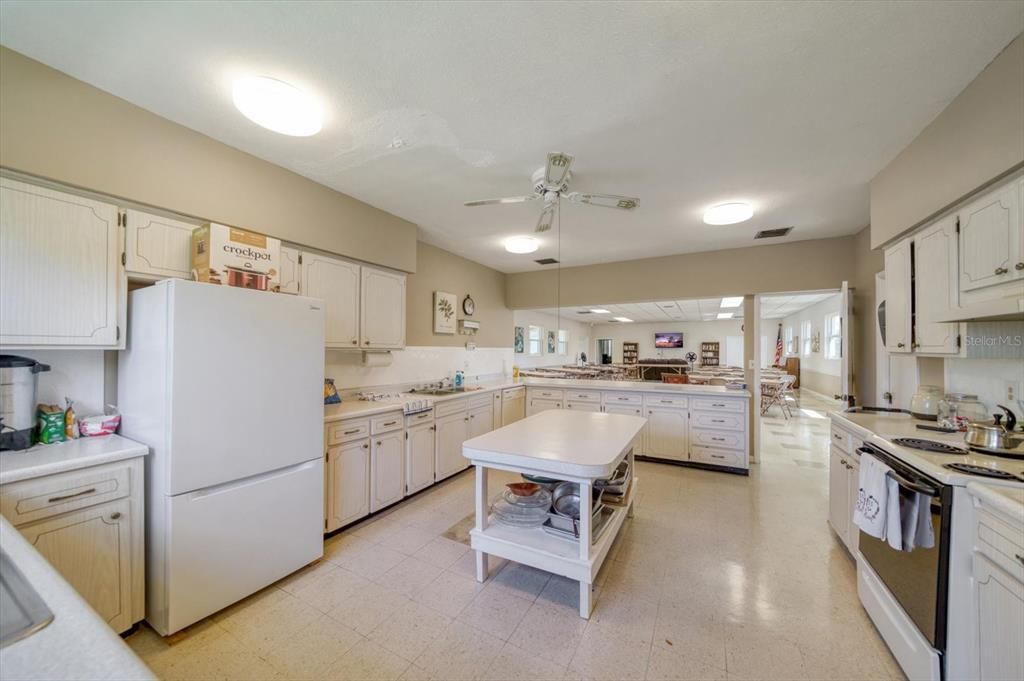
{"points": [[709, 354], [630, 352]]}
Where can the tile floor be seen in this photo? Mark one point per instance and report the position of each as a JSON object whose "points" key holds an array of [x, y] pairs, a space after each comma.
{"points": [[717, 577]]}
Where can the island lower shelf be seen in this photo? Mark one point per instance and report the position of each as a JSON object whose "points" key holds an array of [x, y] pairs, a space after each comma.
{"points": [[539, 549]]}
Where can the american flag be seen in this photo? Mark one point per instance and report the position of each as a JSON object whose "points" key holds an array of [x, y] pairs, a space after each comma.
{"points": [[778, 348]]}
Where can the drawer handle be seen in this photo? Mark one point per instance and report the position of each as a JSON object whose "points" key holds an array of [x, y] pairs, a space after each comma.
{"points": [[718, 439], [666, 401], [390, 423], [717, 420], [116, 515], [1019, 266], [54, 500], [623, 399], [717, 456], [717, 405], [352, 432], [1000, 270]]}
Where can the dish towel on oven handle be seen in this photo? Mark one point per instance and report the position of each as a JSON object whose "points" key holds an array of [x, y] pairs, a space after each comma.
{"points": [[876, 511], [916, 524]]}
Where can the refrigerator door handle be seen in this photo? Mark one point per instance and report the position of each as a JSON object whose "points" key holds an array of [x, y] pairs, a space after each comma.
{"points": [[251, 480]]}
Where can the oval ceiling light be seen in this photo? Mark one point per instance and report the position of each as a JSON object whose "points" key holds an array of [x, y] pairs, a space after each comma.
{"points": [[728, 213], [521, 244], [277, 106]]}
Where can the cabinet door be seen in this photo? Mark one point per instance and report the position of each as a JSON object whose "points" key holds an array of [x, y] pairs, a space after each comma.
{"points": [[839, 503], [631, 411], [539, 404], [336, 282], [419, 457], [999, 603], [667, 433], [350, 483], [91, 549], [156, 247], [291, 270], [513, 407], [990, 238], [584, 406], [934, 269], [451, 432], [481, 421], [382, 312], [897, 297], [496, 410], [61, 275], [387, 470]]}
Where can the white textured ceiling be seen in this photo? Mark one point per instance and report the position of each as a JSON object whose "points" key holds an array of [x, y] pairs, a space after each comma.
{"points": [[695, 310], [791, 106]]}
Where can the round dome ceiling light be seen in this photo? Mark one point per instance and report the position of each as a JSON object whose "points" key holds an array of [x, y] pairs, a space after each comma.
{"points": [[728, 213], [521, 244], [277, 106]]}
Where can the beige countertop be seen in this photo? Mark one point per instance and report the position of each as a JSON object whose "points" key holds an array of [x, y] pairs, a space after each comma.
{"points": [[77, 644], [67, 456], [352, 408]]}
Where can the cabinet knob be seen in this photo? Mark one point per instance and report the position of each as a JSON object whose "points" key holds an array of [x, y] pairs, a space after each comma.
{"points": [[355, 342], [366, 446], [116, 515], [900, 345], [1001, 270], [1019, 266]]}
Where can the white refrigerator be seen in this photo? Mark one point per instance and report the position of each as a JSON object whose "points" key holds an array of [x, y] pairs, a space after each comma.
{"points": [[225, 386]]}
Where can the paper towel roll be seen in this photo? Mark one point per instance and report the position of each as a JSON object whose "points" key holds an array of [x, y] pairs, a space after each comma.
{"points": [[376, 359]]}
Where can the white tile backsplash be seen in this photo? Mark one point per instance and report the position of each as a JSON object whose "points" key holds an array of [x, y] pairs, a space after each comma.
{"points": [[416, 365], [988, 379], [77, 374]]}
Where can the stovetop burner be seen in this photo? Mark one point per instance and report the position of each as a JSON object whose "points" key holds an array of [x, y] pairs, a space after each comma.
{"points": [[928, 445], [980, 470]]}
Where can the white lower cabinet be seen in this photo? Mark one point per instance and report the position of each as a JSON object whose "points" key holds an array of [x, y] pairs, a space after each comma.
{"points": [[348, 476], [513, 406], [157, 247], [667, 433], [481, 420], [583, 406], [387, 469], [538, 404], [496, 409], [61, 274], [999, 599], [89, 525], [452, 431], [843, 486], [419, 457]]}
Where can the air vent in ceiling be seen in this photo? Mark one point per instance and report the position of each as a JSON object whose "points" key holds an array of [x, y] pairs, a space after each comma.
{"points": [[546, 261], [772, 233], [584, 312]]}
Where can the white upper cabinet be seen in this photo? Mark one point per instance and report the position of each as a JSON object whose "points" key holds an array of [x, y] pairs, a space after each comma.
{"points": [[382, 309], [61, 275], [934, 270], [897, 297], [157, 247], [290, 270], [336, 282], [991, 239]]}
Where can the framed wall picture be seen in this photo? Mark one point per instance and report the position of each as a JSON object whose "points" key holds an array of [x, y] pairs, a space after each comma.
{"points": [[519, 343], [552, 342], [444, 311]]}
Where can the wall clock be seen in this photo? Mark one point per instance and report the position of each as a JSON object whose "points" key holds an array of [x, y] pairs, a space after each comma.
{"points": [[468, 306]]}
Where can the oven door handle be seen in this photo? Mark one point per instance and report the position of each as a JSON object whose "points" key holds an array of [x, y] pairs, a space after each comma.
{"points": [[913, 486]]}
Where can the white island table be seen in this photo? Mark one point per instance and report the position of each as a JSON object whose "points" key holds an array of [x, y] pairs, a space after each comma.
{"points": [[580, 447]]}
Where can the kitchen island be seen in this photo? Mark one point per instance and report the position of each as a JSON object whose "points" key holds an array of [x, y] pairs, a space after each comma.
{"points": [[579, 447]]}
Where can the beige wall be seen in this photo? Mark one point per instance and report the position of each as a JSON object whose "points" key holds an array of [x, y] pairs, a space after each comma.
{"points": [[62, 129], [795, 266], [439, 270], [976, 139]]}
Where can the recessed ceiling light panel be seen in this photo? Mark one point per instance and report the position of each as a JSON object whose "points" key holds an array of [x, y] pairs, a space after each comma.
{"points": [[598, 310], [521, 244], [725, 315], [728, 213], [277, 106], [623, 319], [734, 301]]}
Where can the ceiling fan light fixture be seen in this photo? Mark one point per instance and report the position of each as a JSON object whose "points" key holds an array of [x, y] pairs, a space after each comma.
{"points": [[521, 244], [277, 106], [728, 213]]}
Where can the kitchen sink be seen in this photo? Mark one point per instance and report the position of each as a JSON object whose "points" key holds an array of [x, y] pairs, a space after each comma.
{"points": [[440, 391], [22, 611]]}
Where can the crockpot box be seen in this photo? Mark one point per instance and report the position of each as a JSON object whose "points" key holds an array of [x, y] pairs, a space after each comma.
{"points": [[236, 257]]}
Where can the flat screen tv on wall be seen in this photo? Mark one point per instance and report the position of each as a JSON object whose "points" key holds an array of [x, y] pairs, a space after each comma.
{"points": [[668, 340]]}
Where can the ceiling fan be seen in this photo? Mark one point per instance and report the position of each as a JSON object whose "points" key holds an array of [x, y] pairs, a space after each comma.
{"points": [[551, 184]]}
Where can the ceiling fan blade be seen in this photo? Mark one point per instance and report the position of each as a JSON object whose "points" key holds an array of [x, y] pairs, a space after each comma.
{"points": [[557, 170], [507, 199], [605, 200], [547, 216]]}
